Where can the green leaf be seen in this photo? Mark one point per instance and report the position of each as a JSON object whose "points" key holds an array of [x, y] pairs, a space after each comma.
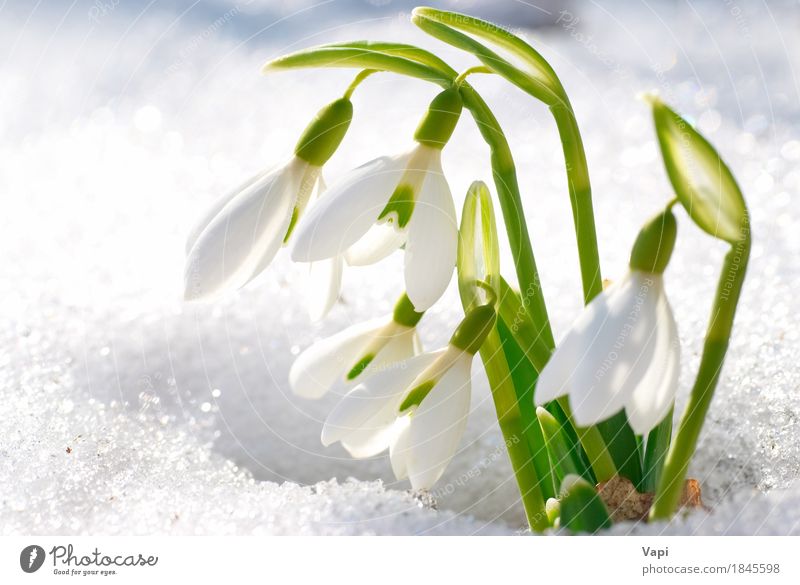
{"points": [[658, 442], [703, 183], [478, 246], [582, 510], [530, 338], [357, 56], [523, 378], [519, 63], [622, 445], [557, 445], [410, 52]]}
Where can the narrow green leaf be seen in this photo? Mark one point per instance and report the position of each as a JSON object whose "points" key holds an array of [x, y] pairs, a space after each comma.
{"points": [[346, 56], [622, 445], [579, 456], [703, 183], [655, 452], [403, 50], [530, 338], [520, 63], [582, 510], [557, 445], [523, 377]]}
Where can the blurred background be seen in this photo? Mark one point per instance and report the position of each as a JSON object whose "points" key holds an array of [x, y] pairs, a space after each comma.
{"points": [[122, 120]]}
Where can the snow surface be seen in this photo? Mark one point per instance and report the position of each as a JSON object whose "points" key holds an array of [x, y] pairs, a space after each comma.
{"points": [[125, 410]]}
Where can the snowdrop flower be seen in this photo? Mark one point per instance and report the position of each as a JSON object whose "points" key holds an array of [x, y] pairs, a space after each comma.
{"points": [[392, 201], [353, 354], [240, 234], [418, 409], [623, 351]]}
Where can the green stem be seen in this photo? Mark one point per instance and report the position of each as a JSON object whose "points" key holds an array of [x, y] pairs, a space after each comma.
{"points": [[715, 347], [505, 178], [514, 428], [362, 75], [593, 444], [471, 71], [580, 196]]}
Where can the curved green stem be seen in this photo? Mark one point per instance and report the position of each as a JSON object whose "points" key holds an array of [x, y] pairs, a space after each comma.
{"points": [[580, 196], [362, 75], [670, 486], [471, 71], [536, 77]]}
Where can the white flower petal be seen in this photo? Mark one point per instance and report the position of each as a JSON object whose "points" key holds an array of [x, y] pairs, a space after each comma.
{"points": [[321, 365], [323, 286], [651, 400], [380, 393], [558, 376], [398, 447], [347, 210], [374, 435], [438, 424], [432, 243], [221, 202], [305, 183], [616, 349], [245, 235], [381, 240], [368, 441], [554, 379], [400, 347]]}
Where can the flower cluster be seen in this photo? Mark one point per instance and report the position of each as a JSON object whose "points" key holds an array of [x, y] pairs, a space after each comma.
{"points": [[594, 408]]}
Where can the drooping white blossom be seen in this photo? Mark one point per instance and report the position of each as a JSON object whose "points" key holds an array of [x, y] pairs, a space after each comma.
{"points": [[380, 206]]}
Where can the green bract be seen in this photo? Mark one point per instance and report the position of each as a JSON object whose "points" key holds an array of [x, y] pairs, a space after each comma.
{"points": [[702, 181], [478, 247]]}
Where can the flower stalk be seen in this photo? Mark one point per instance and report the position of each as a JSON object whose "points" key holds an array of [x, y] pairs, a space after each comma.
{"points": [[706, 188]]}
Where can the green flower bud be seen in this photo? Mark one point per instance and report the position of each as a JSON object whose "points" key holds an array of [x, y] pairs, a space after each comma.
{"points": [[440, 120], [654, 244], [324, 134], [473, 330]]}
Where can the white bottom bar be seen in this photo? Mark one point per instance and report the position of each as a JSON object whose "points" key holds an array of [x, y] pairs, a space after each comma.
{"points": [[389, 560]]}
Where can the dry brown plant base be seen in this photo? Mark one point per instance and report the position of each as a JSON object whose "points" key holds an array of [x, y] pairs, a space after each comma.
{"points": [[624, 503]]}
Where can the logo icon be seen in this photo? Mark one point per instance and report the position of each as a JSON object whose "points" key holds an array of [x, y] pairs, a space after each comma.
{"points": [[31, 558]]}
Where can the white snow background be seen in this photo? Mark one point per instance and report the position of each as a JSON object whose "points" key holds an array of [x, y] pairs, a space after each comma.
{"points": [[125, 411]]}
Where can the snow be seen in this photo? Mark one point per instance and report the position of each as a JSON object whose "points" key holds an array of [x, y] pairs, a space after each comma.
{"points": [[125, 410]]}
